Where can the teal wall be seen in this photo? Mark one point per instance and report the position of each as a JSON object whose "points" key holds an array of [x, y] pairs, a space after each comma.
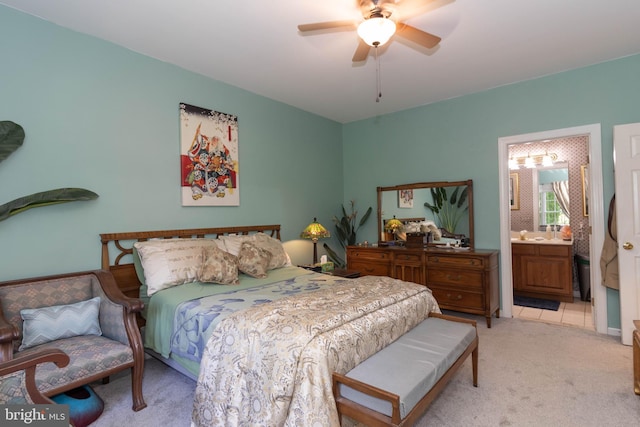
{"points": [[457, 139], [105, 118], [102, 117]]}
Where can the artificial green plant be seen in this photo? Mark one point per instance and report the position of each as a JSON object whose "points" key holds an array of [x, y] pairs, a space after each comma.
{"points": [[448, 210], [346, 230], [12, 138]]}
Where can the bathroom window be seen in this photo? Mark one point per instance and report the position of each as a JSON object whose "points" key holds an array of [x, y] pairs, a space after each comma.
{"points": [[550, 211]]}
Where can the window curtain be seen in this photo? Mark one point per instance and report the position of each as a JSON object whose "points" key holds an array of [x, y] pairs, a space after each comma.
{"points": [[561, 190]]}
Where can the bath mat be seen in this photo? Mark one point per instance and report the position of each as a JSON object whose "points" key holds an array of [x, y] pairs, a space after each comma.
{"points": [[544, 304]]}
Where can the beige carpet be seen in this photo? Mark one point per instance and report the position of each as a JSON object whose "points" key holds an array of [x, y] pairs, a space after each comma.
{"points": [[530, 374]]}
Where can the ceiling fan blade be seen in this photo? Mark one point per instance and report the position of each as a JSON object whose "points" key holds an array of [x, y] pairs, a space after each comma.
{"points": [[325, 25], [409, 8], [362, 51], [417, 36]]}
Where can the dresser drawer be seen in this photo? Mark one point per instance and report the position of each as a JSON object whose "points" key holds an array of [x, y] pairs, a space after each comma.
{"points": [[368, 254], [455, 261], [408, 258], [555, 250], [454, 298], [368, 268], [461, 278]]}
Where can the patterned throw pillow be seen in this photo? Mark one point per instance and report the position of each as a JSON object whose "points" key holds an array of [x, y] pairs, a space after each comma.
{"points": [[219, 267], [279, 256], [42, 325], [253, 260]]}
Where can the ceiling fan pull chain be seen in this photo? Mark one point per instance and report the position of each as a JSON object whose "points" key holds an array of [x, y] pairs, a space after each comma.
{"points": [[378, 84]]}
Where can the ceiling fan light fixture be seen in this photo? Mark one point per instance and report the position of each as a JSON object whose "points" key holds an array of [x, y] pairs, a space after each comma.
{"points": [[376, 31]]}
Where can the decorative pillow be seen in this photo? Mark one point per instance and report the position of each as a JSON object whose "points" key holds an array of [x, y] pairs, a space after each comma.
{"points": [[279, 256], [253, 260], [171, 262], [232, 242], [42, 325], [219, 267]]}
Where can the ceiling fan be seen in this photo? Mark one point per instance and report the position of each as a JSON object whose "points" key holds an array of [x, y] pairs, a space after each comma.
{"points": [[382, 19]]}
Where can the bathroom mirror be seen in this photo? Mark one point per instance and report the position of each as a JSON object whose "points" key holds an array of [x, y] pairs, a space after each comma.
{"points": [[553, 196], [406, 202], [539, 204]]}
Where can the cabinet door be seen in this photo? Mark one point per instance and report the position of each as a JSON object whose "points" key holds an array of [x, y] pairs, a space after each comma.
{"points": [[409, 266], [545, 274]]}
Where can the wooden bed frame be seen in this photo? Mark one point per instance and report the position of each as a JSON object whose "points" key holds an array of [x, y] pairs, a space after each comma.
{"points": [[125, 274]]}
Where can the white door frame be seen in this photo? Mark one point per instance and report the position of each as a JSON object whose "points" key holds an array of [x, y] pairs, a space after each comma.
{"points": [[596, 213]]}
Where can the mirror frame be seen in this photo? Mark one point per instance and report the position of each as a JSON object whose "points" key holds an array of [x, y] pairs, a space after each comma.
{"points": [[421, 185]]}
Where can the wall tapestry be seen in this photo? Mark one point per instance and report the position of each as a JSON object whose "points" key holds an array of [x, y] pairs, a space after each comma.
{"points": [[208, 157]]}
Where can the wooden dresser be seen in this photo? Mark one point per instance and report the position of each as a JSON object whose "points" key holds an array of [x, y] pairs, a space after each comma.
{"points": [[465, 281]]}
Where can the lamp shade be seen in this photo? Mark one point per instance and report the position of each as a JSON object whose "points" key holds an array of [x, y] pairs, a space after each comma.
{"points": [[315, 231], [529, 163], [393, 225], [376, 31]]}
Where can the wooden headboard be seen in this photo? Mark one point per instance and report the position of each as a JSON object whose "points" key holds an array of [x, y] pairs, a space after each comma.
{"points": [[125, 274]]}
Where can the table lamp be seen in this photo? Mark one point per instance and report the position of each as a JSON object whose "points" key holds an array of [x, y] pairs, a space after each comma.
{"points": [[315, 231], [393, 225]]}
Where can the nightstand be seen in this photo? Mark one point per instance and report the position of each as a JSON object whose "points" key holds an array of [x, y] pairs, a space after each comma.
{"points": [[343, 272]]}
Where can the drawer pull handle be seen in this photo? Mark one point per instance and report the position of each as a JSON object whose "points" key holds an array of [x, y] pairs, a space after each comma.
{"points": [[457, 297], [368, 270], [456, 278]]}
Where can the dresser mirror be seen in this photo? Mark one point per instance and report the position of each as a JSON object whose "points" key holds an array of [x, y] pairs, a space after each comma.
{"points": [[445, 205]]}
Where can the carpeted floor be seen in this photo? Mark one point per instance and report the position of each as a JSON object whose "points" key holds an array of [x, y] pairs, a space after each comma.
{"points": [[530, 374]]}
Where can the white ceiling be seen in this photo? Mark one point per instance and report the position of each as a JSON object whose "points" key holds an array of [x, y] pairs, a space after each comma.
{"points": [[256, 46]]}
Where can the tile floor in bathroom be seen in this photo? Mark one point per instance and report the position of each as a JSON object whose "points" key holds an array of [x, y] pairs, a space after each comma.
{"points": [[576, 314]]}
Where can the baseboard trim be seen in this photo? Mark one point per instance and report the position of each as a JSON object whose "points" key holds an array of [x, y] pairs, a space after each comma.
{"points": [[614, 332]]}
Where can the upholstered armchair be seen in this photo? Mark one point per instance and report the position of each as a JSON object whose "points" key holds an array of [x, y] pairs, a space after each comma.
{"points": [[83, 314], [18, 377]]}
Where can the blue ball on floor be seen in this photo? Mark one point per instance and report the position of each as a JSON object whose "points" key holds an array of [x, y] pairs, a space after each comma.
{"points": [[85, 406]]}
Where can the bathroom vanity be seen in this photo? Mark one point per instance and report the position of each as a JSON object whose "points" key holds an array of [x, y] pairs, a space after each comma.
{"points": [[542, 268]]}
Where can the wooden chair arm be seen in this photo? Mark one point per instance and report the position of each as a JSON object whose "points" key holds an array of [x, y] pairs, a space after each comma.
{"points": [[8, 334], [113, 292], [28, 363]]}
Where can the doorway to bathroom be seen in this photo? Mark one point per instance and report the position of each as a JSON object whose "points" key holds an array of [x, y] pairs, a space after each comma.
{"points": [[518, 148]]}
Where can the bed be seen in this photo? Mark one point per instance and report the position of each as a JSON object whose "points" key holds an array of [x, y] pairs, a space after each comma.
{"points": [[263, 348]]}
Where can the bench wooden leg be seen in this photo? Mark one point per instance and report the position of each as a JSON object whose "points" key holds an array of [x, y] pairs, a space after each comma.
{"points": [[474, 365]]}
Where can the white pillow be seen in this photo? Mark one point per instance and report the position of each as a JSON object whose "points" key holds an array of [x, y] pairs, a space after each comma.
{"points": [[46, 324], [233, 242], [171, 262]]}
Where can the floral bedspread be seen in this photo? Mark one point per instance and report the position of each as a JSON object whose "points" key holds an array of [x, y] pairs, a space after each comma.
{"points": [[196, 319], [271, 365]]}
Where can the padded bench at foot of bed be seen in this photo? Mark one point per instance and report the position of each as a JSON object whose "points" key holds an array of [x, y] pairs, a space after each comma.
{"points": [[395, 386]]}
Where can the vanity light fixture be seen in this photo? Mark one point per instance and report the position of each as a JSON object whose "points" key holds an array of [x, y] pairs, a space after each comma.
{"points": [[533, 161], [513, 163], [529, 163]]}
